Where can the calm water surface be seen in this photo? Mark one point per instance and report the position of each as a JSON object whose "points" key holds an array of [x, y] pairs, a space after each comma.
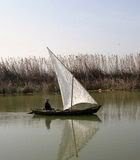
{"points": [[114, 134]]}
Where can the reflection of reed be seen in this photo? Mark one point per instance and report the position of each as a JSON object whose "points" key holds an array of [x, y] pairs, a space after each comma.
{"points": [[121, 105], [9, 119], [20, 103], [94, 71]]}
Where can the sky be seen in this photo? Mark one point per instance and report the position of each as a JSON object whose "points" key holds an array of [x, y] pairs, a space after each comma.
{"points": [[27, 27]]}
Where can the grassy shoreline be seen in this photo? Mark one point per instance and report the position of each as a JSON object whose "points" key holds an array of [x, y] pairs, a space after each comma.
{"points": [[95, 72]]}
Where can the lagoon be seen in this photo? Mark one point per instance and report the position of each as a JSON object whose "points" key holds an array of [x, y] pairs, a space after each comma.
{"points": [[111, 135]]}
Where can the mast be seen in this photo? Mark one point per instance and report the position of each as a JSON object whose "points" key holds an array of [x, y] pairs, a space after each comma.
{"points": [[72, 91]]}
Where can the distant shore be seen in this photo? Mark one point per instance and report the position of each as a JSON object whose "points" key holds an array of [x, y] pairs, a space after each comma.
{"points": [[95, 72]]}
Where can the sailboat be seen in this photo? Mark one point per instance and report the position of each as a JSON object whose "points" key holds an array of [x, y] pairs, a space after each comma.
{"points": [[72, 92]]}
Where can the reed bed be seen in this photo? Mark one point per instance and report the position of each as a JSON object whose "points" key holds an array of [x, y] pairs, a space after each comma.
{"points": [[95, 72]]}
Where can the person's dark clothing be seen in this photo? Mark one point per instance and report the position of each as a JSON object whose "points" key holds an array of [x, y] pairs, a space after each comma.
{"points": [[48, 106]]}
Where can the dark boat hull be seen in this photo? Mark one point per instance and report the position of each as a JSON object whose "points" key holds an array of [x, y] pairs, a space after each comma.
{"points": [[75, 112]]}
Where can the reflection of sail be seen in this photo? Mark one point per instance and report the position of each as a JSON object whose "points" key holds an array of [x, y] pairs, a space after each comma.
{"points": [[82, 130]]}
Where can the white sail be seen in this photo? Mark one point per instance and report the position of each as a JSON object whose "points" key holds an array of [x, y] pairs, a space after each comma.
{"points": [[71, 90]]}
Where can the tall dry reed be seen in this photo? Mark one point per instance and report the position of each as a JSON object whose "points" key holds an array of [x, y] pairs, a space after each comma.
{"points": [[93, 71]]}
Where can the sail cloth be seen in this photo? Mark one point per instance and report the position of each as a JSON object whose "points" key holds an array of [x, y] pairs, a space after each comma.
{"points": [[71, 90]]}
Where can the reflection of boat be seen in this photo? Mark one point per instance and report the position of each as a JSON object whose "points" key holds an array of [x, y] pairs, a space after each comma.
{"points": [[92, 118], [77, 132], [75, 136], [72, 92]]}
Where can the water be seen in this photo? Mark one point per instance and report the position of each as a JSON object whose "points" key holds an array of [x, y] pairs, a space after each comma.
{"points": [[113, 134]]}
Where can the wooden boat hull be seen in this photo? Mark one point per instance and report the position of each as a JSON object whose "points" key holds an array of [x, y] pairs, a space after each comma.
{"points": [[75, 112]]}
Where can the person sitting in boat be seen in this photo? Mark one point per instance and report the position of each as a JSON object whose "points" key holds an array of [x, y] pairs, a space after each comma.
{"points": [[47, 105]]}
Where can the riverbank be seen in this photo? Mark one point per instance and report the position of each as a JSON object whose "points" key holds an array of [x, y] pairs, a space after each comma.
{"points": [[27, 90]]}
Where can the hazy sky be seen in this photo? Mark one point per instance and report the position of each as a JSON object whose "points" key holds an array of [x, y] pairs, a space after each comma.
{"points": [[69, 26]]}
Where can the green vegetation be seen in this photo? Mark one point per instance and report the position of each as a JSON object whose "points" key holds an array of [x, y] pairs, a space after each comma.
{"points": [[28, 75]]}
